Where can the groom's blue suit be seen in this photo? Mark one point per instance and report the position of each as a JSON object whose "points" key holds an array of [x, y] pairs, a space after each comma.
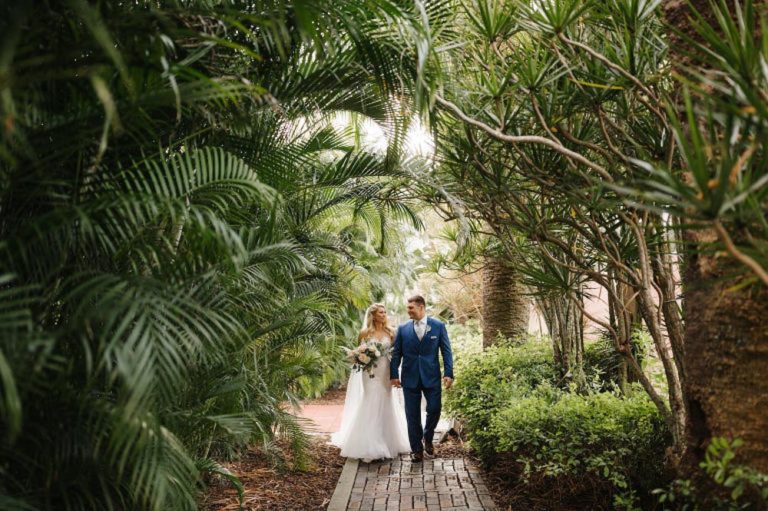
{"points": [[421, 374]]}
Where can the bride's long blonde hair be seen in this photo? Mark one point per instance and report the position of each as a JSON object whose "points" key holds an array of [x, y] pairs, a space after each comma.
{"points": [[369, 327]]}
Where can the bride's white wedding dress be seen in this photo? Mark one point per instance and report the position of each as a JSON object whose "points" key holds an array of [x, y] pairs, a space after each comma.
{"points": [[373, 424]]}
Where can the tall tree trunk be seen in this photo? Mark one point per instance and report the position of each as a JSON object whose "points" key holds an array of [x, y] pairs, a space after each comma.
{"points": [[627, 321], [726, 362], [725, 356], [505, 305]]}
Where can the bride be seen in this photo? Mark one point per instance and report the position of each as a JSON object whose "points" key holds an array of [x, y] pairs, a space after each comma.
{"points": [[373, 423]]}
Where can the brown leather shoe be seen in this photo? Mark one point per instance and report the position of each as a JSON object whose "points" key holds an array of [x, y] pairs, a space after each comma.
{"points": [[429, 448], [417, 457]]}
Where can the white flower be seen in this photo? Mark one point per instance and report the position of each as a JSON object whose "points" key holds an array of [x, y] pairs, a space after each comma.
{"points": [[377, 352]]}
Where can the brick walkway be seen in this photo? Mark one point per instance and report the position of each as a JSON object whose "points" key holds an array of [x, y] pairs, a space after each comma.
{"points": [[438, 484]]}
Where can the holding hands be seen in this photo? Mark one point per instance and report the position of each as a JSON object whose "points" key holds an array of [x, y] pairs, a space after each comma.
{"points": [[447, 381]]}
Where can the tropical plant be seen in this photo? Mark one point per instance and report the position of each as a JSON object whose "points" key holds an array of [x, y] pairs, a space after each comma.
{"points": [[537, 137], [566, 135], [180, 222], [719, 50]]}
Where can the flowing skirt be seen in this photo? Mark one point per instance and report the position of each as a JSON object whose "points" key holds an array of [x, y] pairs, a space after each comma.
{"points": [[373, 424]]}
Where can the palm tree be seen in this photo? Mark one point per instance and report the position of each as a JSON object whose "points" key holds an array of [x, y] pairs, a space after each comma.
{"points": [[718, 46], [179, 223], [506, 308]]}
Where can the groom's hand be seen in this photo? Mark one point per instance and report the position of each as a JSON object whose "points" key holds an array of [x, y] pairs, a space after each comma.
{"points": [[447, 382], [395, 382]]}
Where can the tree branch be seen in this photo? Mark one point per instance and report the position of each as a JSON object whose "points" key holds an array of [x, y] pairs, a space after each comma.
{"points": [[738, 254], [521, 139]]}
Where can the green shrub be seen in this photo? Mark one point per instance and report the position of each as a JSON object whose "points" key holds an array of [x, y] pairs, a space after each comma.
{"points": [[489, 380], [603, 363], [552, 441], [616, 441], [733, 486]]}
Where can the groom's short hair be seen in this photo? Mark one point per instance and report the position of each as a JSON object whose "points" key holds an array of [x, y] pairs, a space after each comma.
{"points": [[418, 299]]}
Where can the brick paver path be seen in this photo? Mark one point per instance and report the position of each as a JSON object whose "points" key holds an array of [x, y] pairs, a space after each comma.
{"points": [[436, 484]]}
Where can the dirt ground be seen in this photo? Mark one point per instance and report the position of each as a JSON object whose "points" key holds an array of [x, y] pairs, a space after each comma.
{"points": [[271, 488]]}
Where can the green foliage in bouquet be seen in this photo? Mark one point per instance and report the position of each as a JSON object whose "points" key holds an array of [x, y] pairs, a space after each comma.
{"points": [[365, 357]]}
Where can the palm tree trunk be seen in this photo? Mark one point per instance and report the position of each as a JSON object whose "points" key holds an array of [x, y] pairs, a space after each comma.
{"points": [[505, 306], [726, 362], [725, 356]]}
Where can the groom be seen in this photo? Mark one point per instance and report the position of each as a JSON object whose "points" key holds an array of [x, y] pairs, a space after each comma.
{"points": [[416, 344]]}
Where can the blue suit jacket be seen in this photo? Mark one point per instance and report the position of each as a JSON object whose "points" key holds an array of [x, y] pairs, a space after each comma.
{"points": [[419, 357]]}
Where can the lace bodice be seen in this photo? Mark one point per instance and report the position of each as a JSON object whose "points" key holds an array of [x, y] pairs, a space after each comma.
{"points": [[383, 340]]}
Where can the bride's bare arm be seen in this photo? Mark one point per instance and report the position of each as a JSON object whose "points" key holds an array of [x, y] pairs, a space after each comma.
{"points": [[394, 367]]}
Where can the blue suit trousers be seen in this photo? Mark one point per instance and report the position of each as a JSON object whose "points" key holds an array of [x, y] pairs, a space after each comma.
{"points": [[413, 414]]}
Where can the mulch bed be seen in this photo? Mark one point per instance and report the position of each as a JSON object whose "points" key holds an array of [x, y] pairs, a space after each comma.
{"points": [[543, 493], [270, 488], [454, 447]]}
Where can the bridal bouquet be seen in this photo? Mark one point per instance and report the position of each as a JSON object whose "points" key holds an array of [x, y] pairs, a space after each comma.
{"points": [[365, 356]]}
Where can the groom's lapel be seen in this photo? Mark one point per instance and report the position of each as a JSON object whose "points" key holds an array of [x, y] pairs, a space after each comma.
{"points": [[431, 325]]}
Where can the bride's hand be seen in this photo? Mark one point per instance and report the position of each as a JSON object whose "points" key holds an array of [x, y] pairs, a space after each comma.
{"points": [[395, 382]]}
